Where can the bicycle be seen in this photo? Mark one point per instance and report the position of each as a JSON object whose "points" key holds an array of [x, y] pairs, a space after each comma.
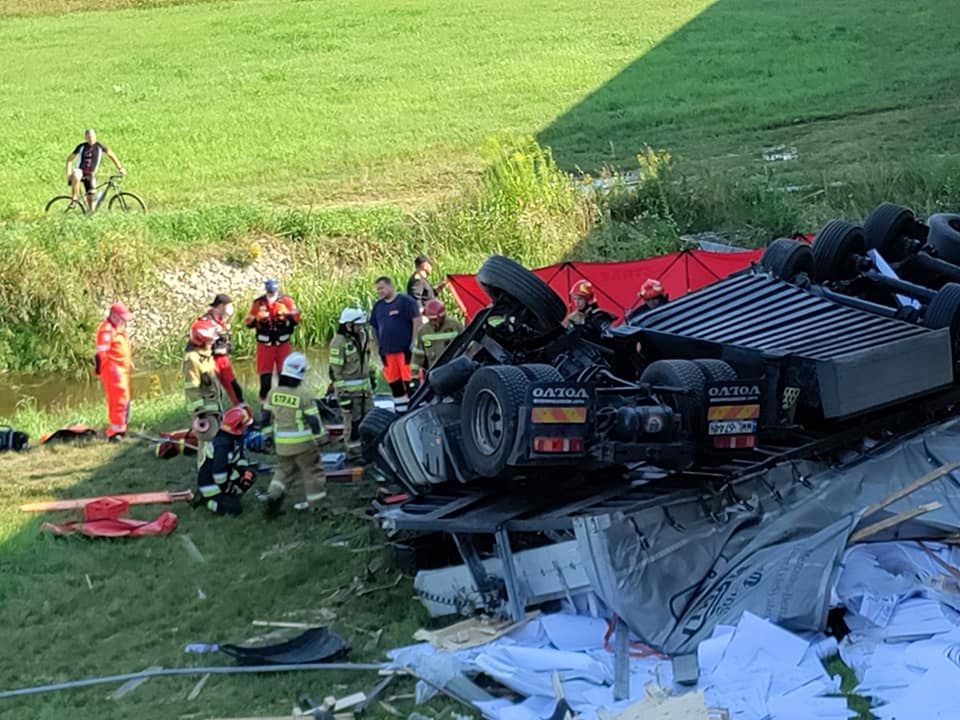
{"points": [[118, 200]]}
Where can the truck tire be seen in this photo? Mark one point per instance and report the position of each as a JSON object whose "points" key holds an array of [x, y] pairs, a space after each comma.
{"points": [[716, 370], [944, 235], [452, 376], [887, 228], [687, 376], [835, 249], [505, 279], [944, 311], [786, 258], [489, 416], [373, 428], [541, 372]]}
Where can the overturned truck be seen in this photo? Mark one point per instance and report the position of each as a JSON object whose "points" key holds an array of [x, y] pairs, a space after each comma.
{"points": [[810, 346]]}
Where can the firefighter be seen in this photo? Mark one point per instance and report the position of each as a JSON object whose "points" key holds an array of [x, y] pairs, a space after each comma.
{"points": [[650, 296], [225, 473], [200, 383], [293, 421], [220, 312], [351, 375], [586, 311], [274, 317], [432, 339], [112, 364]]}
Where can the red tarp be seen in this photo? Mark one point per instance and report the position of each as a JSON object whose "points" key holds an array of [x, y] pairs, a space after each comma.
{"points": [[102, 518], [617, 283]]}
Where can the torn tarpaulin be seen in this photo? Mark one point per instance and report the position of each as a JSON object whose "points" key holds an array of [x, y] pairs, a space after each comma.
{"points": [[313, 646], [673, 574], [103, 518]]}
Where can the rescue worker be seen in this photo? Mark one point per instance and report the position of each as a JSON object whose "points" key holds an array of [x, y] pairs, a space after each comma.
{"points": [[418, 286], [395, 319], [651, 295], [274, 317], [433, 338], [220, 312], [225, 473], [293, 421], [200, 384], [351, 375], [586, 310], [112, 363]]}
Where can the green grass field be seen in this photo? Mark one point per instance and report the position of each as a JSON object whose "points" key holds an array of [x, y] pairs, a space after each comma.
{"points": [[315, 102]]}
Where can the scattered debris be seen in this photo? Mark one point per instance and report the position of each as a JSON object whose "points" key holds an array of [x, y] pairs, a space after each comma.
{"points": [[389, 709], [191, 548], [198, 688], [313, 646], [130, 685], [470, 633], [281, 550], [779, 153], [201, 595], [89, 583], [378, 588]]}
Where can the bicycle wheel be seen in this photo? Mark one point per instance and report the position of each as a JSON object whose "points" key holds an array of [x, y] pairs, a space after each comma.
{"points": [[65, 204], [126, 202]]}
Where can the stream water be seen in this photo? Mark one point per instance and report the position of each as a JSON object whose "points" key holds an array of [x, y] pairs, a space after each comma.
{"points": [[53, 391]]}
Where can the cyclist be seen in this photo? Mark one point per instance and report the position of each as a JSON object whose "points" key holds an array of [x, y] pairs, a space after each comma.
{"points": [[88, 154]]}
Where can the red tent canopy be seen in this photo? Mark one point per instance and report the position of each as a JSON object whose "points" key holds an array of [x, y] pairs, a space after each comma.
{"points": [[616, 283]]}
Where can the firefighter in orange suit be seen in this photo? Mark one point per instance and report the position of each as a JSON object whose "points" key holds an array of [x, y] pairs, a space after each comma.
{"points": [[274, 317], [112, 364]]}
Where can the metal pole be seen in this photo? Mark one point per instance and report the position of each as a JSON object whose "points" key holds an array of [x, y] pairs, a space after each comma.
{"points": [[621, 662], [515, 601]]}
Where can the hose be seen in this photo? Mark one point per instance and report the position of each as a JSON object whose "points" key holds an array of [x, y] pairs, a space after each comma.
{"points": [[167, 672]]}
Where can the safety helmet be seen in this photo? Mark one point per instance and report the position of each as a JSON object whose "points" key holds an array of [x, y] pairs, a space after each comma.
{"points": [[119, 310], [434, 309], [651, 288], [272, 285], [295, 366], [353, 315], [584, 289], [203, 332], [236, 420]]}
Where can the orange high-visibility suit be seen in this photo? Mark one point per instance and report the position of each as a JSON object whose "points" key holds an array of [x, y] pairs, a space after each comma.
{"points": [[274, 323], [112, 363]]}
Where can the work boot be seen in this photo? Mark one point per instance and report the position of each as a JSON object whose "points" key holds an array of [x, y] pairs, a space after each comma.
{"points": [[272, 505], [118, 438]]}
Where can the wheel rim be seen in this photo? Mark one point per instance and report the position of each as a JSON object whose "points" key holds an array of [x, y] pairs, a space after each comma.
{"points": [[488, 423]]}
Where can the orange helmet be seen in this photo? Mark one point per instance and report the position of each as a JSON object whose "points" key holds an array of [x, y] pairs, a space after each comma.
{"points": [[650, 289], [236, 420], [584, 289], [434, 309], [203, 332]]}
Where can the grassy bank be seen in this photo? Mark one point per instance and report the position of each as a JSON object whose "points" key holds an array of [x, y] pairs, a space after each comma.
{"points": [[73, 608], [63, 271]]}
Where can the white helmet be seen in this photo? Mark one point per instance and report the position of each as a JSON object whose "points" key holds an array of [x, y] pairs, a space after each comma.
{"points": [[353, 315], [295, 366]]}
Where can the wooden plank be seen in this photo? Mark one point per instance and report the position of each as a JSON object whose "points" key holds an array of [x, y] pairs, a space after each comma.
{"points": [[892, 521], [149, 498], [195, 693], [934, 474]]}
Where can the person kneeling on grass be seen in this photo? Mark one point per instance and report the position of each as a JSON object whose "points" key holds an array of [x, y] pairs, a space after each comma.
{"points": [[291, 418], [225, 473]]}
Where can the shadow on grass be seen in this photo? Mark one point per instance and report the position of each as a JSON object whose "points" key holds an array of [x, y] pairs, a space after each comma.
{"points": [[75, 607], [844, 80]]}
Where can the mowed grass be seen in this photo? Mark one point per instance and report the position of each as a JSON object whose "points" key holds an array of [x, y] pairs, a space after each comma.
{"points": [[319, 102], [74, 607]]}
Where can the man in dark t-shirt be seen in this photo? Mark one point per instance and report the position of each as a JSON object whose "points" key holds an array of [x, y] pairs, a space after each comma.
{"points": [[88, 155], [395, 319], [418, 286]]}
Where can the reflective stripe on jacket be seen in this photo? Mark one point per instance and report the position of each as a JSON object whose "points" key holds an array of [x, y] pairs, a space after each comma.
{"points": [[200, 385], [431, 342], [289, 408]]}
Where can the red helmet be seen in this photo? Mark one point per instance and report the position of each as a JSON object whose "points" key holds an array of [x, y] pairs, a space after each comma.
{"points": [[650, 289], [203, 332], [236, 420], [434, 309], [119, 311], [584, 289]]}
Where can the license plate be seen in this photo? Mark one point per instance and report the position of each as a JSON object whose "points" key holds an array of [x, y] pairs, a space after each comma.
{"points": [[732, 427]]}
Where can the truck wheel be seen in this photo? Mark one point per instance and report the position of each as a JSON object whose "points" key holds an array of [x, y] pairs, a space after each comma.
{"points": [[835, 250], [887, 228], [452, 376], [686, 376], [716, 370], [944, 235], [489, 417], [504, 279], [944, 311], [373, 428], [786, 258], [541, 372]]}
